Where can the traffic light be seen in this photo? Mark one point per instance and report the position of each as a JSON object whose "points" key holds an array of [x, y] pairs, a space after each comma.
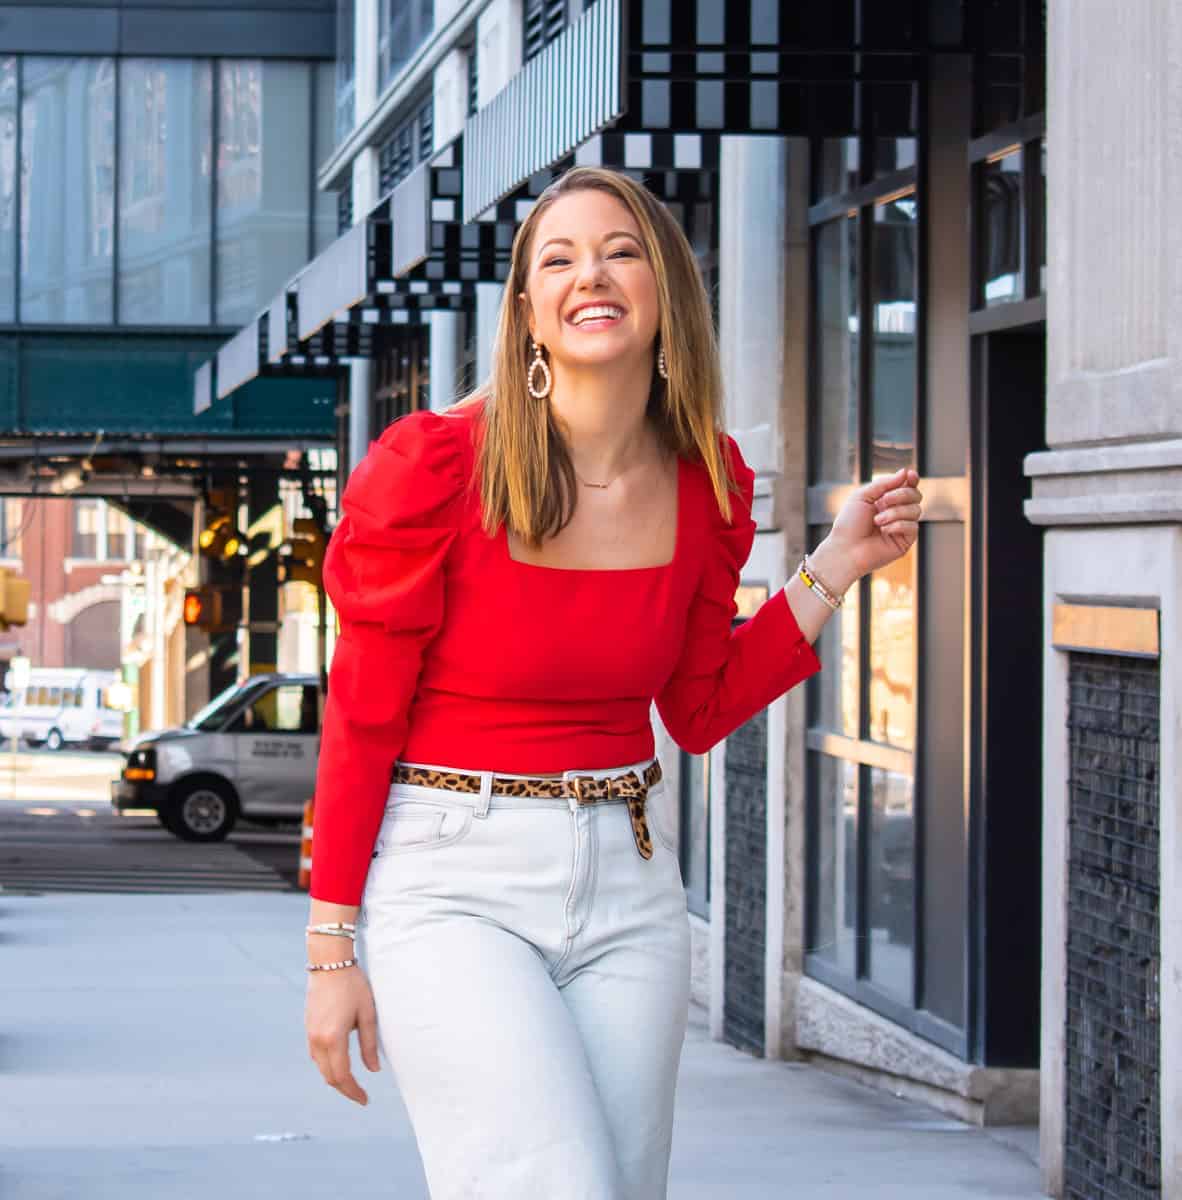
{"points": [[302, 559], [14, 599], [205, 608], [219, 538]]}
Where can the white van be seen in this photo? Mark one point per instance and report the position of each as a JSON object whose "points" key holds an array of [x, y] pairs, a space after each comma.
{"points": [[60, 707]]}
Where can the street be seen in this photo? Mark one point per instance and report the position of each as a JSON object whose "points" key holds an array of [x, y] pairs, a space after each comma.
{"points": [[151, 1042], [59, 834]]}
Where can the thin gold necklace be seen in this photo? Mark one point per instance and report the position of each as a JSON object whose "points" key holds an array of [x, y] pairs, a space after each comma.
{"points": [[600, 486]]}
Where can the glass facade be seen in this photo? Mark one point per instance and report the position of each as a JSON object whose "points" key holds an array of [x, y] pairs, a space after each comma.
{"points": [[162, 192], [165, 167], [345, 89]]}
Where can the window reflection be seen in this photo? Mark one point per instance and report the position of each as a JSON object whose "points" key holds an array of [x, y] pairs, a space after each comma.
{"points": [[836, 687], [164, 203], [695, 831], [344, 72], [8, 125], [892, 655], [833, 923], [894, 154], [263, 165], [403, 26], [67, 189], [891, 882], [837, 345], [1002, 214], [895, 252]]}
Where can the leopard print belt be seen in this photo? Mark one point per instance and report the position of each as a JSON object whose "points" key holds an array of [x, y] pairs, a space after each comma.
{"points": [[583, 789]]}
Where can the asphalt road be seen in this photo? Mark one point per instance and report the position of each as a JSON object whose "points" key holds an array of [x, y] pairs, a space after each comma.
{"points": [[58, 833]]}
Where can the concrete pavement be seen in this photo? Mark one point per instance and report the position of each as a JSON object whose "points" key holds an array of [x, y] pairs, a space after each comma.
{"points": [[151, 1046]]}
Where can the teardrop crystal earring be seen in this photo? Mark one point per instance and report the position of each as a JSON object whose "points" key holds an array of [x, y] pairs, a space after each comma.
{"points": [[538, 393], [662, 365]]}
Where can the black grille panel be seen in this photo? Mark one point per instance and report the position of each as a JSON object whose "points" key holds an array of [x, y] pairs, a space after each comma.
{"points": [[746, 884], [1113, 1129]]}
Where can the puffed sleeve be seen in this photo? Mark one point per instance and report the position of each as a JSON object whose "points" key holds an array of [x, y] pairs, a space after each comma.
{"points": [[725, 676], [384, 571]]}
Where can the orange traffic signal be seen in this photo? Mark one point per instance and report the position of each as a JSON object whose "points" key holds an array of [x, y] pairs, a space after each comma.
{"points": [[204, 609]]}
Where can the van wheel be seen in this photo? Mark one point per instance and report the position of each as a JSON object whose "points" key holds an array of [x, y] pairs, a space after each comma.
{"points": [[54, 740], [200, 810]]}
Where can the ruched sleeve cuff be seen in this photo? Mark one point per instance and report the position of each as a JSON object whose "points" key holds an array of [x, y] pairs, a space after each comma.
{"points": [[384, 572], [725, 675]]}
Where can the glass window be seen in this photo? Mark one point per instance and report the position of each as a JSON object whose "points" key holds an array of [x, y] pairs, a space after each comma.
{"points": [[837, 344], [895, 250], [894, 154], [324, 211], [892, 883], [892, 655], [67, 190], [1042, 216], [8, 125], [344, 71], [695, 831], [116, 534], [86, 529], [1002, 236], [263, 182], [836, 690], [291, 708], [403, 26], [165, 160], [11, 528], [833, 922]]}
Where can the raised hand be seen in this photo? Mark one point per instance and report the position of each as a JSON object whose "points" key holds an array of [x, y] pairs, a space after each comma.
{"points": [[879, 522]]}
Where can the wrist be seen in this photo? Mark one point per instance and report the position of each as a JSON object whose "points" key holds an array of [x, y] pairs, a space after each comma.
{"points": [[834, 566]]}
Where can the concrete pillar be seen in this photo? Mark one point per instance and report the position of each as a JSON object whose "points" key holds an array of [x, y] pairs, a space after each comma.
{"points": [[446, 351], [1109, 489], [763, 296], [264, 536], [450, 84], [365, 58], [488, 309]]}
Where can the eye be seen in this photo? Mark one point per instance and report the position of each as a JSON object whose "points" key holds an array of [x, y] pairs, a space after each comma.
{"points": [[556, 261], [622, 254]]}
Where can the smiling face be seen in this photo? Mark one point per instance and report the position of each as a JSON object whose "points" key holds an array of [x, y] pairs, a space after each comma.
{"points": [[591, 295]]}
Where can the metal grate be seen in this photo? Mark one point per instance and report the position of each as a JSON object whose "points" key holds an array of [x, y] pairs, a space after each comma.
{"points": [[1113, 1102], [473, 80], [746, 884], [345, 208]]}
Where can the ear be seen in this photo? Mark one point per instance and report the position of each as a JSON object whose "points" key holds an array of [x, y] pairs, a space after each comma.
{"points": [[523, 299]]}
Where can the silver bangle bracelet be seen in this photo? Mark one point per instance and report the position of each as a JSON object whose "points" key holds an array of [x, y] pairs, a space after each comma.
{"points": [[337, 928]]}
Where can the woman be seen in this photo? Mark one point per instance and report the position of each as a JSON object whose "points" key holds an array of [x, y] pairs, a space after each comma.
{"points": [[517, 580]]}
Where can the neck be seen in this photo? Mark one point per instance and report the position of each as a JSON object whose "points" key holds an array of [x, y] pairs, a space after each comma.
{"points": [[602, 412]]}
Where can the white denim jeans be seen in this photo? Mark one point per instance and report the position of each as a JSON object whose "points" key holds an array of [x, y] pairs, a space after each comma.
{"points": [[531, 973]]}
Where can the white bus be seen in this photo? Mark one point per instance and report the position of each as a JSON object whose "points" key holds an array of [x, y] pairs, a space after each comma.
{"points": [[60, 707]]}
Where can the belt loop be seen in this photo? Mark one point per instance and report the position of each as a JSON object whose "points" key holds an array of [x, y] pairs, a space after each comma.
{"points": [[486, 782]]}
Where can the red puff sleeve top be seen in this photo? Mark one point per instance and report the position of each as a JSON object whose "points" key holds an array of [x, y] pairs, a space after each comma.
{"points": [[452, 653]]}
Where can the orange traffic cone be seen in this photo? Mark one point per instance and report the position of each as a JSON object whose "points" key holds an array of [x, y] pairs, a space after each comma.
{"points": [[306, 846]]}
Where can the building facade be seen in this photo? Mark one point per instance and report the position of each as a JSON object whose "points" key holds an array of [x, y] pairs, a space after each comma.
{"points": [[870, 878]]}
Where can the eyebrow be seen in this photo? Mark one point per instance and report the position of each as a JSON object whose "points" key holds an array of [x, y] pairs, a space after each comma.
{"points": [[617, 233]]}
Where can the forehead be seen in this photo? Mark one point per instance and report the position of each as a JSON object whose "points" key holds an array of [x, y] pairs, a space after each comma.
{"points": [[585, 214]]}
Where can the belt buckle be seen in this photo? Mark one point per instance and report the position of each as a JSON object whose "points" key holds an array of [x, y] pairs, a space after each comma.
{"points": [[579, 780]]}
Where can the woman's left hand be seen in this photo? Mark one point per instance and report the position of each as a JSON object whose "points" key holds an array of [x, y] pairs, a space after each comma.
{"points": [[879, 522]]}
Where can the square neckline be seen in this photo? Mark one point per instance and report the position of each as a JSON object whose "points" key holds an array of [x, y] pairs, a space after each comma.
{"points": [[503, 538]]}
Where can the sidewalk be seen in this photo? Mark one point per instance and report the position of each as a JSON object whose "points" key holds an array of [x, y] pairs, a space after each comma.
{"points": [[152, 1047]]}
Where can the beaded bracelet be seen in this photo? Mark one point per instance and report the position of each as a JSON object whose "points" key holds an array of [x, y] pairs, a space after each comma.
{"points": [[338, 927], [809, 578], [336, 966]]}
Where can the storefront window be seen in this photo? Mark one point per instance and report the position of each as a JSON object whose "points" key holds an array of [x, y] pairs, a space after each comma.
{"points": [[344, 70], [893, 371], [67, 190], [263, 169], [837, 349], [837, 166], [838, 687], [892, 655], [891, 884], [1002, 215], [164, 203], [834, 925]]}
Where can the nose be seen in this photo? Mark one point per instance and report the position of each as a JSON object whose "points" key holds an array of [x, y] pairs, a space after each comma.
{"points": [[590, 272]]}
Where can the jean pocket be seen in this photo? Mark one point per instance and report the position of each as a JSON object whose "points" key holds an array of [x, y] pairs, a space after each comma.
{"points": [[656, 808], [416, 825]]}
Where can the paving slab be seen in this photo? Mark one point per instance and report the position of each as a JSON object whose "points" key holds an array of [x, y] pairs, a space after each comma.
{"points": [[152, 1046]]}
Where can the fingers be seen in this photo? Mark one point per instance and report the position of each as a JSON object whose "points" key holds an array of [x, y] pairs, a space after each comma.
{"points": [[906, 513], [367, 1037], [876, 489], [331, 1055]]}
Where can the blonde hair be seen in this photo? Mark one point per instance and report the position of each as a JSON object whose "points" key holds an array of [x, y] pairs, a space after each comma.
{"points": [[527, 479]]}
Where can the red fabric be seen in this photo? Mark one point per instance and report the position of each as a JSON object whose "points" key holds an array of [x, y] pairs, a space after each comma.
{"points": [[452, 654]]}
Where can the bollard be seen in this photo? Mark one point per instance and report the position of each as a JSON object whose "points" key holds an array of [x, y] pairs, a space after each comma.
{"points": [[305, 877]]}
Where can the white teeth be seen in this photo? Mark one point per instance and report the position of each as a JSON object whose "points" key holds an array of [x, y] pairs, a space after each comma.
{"points": [[593, 311]]}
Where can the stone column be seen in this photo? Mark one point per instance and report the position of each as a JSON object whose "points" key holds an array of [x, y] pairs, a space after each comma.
{"points": [[763, 294], [1114, 432], [447, 347]]}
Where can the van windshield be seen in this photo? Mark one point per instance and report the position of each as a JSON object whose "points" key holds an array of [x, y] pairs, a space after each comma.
{"points": [[213, 716]]}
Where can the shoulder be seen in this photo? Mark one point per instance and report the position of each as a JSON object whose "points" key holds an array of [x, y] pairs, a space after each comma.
{"points": [[419, 465], [741, 494]]}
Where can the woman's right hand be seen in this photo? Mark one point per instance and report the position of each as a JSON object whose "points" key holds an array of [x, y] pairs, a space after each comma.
{"points": [[337, 1003]]}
